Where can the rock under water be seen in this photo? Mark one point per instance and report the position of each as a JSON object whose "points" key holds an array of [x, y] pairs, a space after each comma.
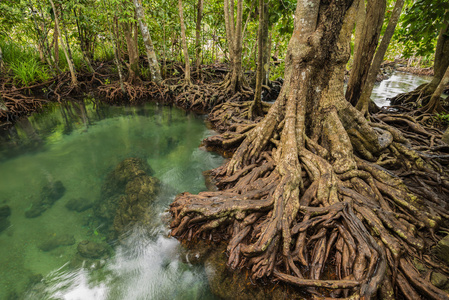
{"points": [[50, 193], [126, 197]]}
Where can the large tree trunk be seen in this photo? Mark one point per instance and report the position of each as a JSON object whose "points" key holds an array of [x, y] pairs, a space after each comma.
{"points": [[365, 49], [303, 198], [184, 43], [364, 100], [199, 17], [151, 54], [63, 46], [130, 32]]}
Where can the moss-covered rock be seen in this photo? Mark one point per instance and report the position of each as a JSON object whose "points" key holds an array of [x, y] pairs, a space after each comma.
{"points": [[439, 280], [92, 250], [442, 249], [56, 241], [126, 197]]}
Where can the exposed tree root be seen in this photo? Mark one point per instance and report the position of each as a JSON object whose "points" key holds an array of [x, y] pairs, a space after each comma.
{"points": [[356, 219], [414, 99], [205, 97]]}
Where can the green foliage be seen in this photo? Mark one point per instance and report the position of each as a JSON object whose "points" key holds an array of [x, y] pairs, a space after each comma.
{"points": [[15, 53], [104, 53], [28, 72], [444, 118], [420, 25], [24, 64], [145, 73], [277, 71]]}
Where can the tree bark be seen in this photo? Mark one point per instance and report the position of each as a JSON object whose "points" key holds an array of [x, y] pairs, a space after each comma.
{"points": [[151, 54], [130, 32], [184, 43], [360, 20], [1, 60], [267, 47], [235, 80], [441, 58], [114, 38], [55, 42], [365, 50], [63, 46], [364, 100], [257, 106], [199, 17]]}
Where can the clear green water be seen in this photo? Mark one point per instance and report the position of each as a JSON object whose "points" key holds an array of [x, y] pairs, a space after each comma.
{"points": [[79, 149]]}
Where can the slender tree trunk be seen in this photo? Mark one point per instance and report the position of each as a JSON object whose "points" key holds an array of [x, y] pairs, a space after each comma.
{"points": [[257, 106], [69, 62], [441, 59], [56, 43], [151, 54], [266, 47], [184, 43], [360, 20], [198, 46], [235, 81], [133, 51], [1, 60], [363, 102], [43, 47], [116, 56], [434, 105], [365, 50], [66, 37]]}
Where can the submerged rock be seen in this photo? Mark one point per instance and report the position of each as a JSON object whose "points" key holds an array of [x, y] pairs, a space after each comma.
{"points": [[126, 196], [5, 212], [79, 204], [50, 193], [57, 241], [92, 250], [4, 224]]}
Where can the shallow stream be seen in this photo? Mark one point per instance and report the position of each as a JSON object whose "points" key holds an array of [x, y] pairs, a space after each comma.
{"points": [[79, 145]]}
